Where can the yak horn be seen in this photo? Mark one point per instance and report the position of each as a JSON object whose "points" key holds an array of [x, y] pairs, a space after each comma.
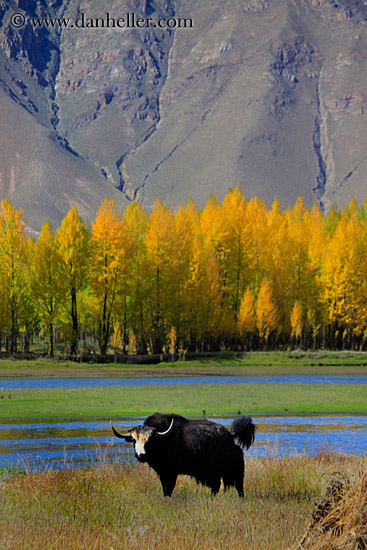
{"points": [[117, 434], [167, 431]]}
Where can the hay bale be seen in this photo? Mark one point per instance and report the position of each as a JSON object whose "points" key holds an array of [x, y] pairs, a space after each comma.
{"points": [[339, 519]]}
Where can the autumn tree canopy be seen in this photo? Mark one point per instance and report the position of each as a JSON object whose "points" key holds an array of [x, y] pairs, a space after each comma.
{"points": [[237, 274]]}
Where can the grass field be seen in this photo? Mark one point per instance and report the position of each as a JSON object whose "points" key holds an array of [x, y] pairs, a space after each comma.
{"points": [[190, 399], [114, 506], [185, 399], [250, 364], [121, 506]]}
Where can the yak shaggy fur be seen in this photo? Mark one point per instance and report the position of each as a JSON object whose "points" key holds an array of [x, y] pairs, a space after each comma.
{"points": [[200, 448]]}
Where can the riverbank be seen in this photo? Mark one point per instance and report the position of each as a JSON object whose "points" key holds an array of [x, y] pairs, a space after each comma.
{"points": [[121, 506], [214, 399], [114, 401], [229, 364]]}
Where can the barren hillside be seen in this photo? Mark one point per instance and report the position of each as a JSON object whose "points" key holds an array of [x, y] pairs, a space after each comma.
{"points": [[267, 94]]}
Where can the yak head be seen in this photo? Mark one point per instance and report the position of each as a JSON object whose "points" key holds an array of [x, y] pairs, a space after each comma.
{"points": [[140, 436]]}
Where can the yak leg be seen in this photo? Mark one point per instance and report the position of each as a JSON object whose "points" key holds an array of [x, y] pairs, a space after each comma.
{"points": [[233, 471], [234, 482], [239, 487], [168, 482], [214, 484], [209, 479], [239, 471]]}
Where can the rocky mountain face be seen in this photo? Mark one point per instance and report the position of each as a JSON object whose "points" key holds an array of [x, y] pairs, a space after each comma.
{"points": [[267, 94]]}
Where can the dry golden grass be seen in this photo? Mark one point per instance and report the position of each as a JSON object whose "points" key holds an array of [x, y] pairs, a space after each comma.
{"points": [[118, 506]]}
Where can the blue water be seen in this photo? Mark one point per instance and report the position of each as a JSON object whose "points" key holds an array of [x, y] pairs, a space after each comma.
{"points": [[39, 383], [42, 443], [74, 443]]}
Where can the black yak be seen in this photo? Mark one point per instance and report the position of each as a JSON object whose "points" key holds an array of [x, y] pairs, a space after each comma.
{"points": [[172, 445]]}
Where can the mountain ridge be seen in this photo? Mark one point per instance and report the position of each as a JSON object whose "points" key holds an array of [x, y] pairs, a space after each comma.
{"points": [[269, 95]]}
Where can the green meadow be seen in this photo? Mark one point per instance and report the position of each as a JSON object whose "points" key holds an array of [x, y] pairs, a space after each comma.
{"points": [[226, 363], [187, 399]]}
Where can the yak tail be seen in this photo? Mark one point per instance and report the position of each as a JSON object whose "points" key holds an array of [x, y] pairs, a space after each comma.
{"points": [[243, 429]]}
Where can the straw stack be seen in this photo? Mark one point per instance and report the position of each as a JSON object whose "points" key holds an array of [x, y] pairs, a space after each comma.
{"points": [[339, 520]]}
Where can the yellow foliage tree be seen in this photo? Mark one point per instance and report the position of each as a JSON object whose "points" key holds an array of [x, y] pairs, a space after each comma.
{"points": [[111, 252], [246, 322], [234, 266], [160, 241], [185, 225], [266, 311], [73, 245], [116, 340], [15, 256], [190, 270], [133, 345], [296, 321], [138, 302], [47, 285], [172, 341]]}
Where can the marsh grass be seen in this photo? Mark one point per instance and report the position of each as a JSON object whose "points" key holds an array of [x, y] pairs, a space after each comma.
{"points": [[115, 401], [119, 505], [230, 363]]}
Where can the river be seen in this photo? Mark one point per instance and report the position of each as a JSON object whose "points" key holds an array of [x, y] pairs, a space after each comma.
{"points": [[47, 443], [40, 383]]}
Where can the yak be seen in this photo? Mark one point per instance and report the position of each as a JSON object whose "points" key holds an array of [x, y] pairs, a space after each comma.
{"points": [[172, 444]]}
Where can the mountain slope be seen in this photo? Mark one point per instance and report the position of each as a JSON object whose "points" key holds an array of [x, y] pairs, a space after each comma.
{"points": [[267, 94]]}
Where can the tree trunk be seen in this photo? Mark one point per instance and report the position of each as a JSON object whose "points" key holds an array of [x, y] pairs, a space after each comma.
{"points": [[13, 332], [74, 318], [51, 340]]}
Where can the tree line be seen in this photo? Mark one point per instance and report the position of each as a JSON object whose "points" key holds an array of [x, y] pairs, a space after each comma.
{"points": [[236, 274]]}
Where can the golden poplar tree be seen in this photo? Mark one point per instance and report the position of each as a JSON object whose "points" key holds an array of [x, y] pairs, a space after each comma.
{"points": [[279, 262], [47, 284], [296, 321], [139, 305], [343, 277], [346, 281], [258, 246], [73, 244], [209, 316], [318, 241], [111, 250], [160, 241], [235, 266], [132, 345], [172, 342], [216, 322], [14, 269], [294, 268], [116, 340], [266, 311], [196, 271], [185, 224], [246, 322]]}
